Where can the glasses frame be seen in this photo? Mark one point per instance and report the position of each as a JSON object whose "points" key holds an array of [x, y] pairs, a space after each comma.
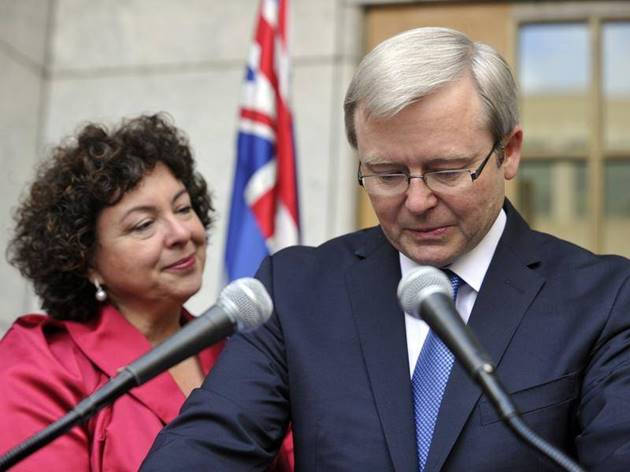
{"points": [[474, 174]]}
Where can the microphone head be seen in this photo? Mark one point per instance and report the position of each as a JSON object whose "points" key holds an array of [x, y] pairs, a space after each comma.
{"points": [[418, 284], [247, 302]]}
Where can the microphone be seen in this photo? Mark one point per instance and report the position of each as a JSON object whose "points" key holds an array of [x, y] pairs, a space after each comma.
{"points": [[243, 305], [426, 293]]}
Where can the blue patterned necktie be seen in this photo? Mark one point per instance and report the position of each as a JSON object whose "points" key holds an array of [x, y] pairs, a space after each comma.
{"points": [[428, 382]]}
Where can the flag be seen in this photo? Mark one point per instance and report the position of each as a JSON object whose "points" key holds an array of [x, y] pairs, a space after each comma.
{"points": [[264, 214]]}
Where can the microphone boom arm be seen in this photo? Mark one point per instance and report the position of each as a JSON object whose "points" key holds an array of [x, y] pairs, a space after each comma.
{"points": [[243, 305], [191, 339]]}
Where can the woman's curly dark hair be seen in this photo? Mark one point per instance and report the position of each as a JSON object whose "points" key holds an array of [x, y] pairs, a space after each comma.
{"points": [[55, 235]]}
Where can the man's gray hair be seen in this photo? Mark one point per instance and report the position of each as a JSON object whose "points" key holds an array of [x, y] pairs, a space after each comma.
{"points": [[413, 64]]}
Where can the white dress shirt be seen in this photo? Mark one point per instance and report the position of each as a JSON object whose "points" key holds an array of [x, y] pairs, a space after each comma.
{"points": [[471, 268]]}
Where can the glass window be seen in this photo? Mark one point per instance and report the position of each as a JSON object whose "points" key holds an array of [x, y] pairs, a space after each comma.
{"points": [[617, 207], [616, 84], [554, 71], [617, 201], [553, 197], [535, 189]]}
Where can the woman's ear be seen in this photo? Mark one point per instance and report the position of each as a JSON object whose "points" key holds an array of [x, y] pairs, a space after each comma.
{"points": [[94, 277]]}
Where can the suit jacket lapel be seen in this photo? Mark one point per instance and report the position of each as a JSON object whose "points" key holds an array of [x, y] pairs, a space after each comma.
{"points": [[494, 320], [372, 283], [111, 342]]}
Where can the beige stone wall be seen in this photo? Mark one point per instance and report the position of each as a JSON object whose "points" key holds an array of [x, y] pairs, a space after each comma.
{"points": [[23, 34], [100, 60]]}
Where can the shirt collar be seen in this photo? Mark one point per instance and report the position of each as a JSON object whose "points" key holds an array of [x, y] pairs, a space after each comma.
{"points": [[472, 266]]}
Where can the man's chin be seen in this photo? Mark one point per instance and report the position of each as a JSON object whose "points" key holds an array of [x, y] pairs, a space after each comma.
{"points": [[436, 255], [435, 260]]}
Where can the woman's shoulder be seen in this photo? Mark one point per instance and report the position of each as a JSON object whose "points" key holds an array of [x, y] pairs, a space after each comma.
{"points": [[29, 334], [43, 375], [39, 348], [35, 337], [32, 325]]}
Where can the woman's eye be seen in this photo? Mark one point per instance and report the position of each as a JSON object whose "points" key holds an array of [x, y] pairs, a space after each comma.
{"points": [[184, 209], [145, 225]]}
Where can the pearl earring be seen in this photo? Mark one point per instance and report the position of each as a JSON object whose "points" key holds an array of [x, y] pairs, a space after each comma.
{"points": [[100, 294]]}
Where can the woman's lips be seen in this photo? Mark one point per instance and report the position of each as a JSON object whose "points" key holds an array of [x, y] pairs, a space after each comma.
{"points": [[182, 264]]}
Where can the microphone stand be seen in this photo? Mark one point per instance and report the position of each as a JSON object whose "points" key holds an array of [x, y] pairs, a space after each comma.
{"points": [[192, 338], [85, 409]]}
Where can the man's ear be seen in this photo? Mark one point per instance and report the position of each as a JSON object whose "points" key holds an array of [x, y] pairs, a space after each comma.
{"points": [[512, 153]]}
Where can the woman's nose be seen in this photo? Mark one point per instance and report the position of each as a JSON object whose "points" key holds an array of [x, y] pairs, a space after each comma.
{"points": [[177, 231]]}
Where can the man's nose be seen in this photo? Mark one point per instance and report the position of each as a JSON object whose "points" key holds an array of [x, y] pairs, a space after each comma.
{"points": [[419, 197]]}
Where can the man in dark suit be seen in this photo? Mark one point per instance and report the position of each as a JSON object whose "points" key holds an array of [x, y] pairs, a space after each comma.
{"points": [[434, 119]]}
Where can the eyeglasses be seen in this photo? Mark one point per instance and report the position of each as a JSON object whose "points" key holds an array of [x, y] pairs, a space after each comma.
{"points": [[439, 181]]}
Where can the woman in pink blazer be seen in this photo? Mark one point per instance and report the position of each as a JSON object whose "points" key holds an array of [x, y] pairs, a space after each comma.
{"points": [[113, 237]]}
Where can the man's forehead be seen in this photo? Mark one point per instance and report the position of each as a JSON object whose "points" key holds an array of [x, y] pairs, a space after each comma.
{"points": [[460, 96]]}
